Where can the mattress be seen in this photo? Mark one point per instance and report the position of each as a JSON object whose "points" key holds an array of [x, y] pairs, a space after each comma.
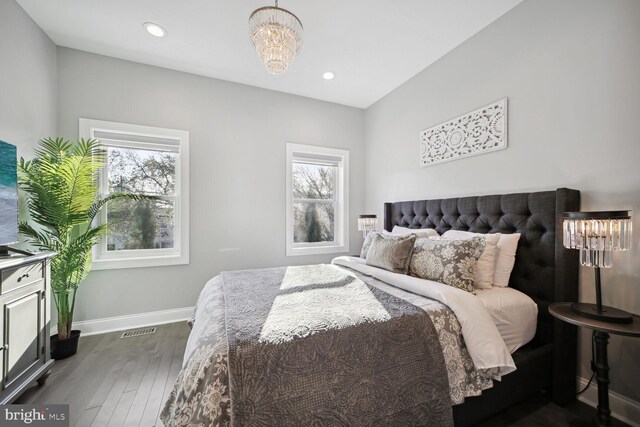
{"points": [[513, 312]]}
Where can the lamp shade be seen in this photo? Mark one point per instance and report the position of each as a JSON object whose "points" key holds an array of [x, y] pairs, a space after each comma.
{"points": [[596, 235], [367, 222]]}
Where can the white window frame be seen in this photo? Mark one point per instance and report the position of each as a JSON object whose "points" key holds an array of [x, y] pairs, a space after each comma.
{"points": [[341, 216], [137, 136]]}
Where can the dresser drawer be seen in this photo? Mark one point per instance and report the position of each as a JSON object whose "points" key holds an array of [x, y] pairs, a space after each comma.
{"points": [[14, 278]]}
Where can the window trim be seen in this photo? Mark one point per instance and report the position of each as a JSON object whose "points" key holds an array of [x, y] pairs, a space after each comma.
{"points": [[341, 224], [150, 257]]}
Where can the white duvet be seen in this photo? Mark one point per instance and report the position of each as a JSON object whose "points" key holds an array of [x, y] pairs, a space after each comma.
{"points": [[481, 336]]}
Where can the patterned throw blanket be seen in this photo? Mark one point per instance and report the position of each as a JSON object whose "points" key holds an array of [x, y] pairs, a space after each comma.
{"points": [[319, 345]]}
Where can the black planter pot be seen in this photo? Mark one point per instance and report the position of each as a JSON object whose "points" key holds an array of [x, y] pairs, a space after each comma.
{"points": [[61, 349]]}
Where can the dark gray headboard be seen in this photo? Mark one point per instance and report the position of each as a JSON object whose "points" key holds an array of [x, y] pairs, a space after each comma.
{"points": [[544, 269]]}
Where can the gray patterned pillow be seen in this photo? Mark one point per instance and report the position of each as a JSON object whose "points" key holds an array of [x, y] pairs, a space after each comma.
{"points": [[367, 244], [452, 262], [390, 252]]}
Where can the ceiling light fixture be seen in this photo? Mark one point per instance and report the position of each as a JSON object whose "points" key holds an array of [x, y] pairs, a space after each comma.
{"points": [[328, 75], [276, 34], [154, 29]]}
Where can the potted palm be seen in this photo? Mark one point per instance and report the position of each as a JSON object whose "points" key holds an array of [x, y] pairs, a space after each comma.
{"points": [[63, 200]]}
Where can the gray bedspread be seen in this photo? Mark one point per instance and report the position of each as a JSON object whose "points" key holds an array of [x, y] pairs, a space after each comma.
{"points": [[319, 345]]}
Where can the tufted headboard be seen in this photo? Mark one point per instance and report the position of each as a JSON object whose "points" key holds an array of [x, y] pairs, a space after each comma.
{"points": [[544, 269]]}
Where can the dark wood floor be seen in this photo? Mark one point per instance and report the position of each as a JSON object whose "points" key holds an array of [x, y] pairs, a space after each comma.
{"points": [[124, 382], [116, 382], [540, 412]]}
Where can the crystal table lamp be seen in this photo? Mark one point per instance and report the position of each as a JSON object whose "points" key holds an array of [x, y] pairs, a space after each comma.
{"points": [[596, 235], [367, 223]]}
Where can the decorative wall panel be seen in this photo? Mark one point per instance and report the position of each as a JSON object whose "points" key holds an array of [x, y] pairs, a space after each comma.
{"points": [[480, 131]]}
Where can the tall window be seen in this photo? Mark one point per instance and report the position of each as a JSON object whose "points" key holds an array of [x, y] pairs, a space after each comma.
{"points": [[317, 195], [145, 161]]}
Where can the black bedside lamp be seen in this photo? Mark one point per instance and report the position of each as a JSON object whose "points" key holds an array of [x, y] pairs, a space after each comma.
{"points": [[596, 235]]}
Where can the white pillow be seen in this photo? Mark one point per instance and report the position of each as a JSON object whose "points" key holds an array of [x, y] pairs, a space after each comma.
{"points": [[420, 232], [507, 246], [486, 264], [514, 313]]}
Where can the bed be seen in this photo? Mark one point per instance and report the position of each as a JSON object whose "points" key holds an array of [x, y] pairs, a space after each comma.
{"points": [[544, 270], [343, 344]]}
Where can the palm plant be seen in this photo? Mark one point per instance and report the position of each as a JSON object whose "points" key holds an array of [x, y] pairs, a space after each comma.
{"points": [[63, 202]]}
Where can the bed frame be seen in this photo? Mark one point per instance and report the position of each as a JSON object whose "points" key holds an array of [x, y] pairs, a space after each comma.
{"points": [[543, 269]]}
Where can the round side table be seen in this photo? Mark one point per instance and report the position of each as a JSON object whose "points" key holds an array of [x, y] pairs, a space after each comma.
{"points": [[601, 331]]}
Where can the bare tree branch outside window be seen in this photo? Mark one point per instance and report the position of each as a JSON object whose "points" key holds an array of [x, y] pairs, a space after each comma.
{"points": [[314, 202], [144, 224]]}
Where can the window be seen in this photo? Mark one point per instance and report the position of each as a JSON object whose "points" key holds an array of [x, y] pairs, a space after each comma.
{"points": [[145, 161], [317, 200]]}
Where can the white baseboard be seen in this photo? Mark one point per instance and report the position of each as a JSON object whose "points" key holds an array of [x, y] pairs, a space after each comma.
{"points": [[622, 408], [121, 323]]}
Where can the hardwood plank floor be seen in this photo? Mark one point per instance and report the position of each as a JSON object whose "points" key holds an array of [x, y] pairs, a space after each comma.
{"points": [[117, 382]]}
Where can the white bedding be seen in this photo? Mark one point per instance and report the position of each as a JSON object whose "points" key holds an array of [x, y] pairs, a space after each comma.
{"points": [[513, 312], [482, 338]]}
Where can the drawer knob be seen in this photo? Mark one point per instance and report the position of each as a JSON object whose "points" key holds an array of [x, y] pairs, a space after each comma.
{"points": [[24, 276]]}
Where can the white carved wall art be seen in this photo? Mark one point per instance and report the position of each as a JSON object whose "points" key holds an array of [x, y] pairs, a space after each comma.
{"points": [[478, 132]]}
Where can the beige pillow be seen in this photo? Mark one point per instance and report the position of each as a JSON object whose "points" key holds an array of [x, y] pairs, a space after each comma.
{"points": [[452, 262], [392, 253], [419, 232], [505, 259], [487, 262]]}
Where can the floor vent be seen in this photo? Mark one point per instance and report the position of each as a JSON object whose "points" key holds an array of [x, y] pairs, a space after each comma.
{"points": [[138, 332]]}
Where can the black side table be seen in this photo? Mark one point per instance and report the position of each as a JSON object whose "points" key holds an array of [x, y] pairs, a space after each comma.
{"points": [[601, 331]]}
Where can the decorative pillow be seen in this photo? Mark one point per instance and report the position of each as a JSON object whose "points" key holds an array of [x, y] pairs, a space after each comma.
{"points": [[506, 257], [392, 253], [420, 232], [452, 262], [487, 262], [367, 244]]}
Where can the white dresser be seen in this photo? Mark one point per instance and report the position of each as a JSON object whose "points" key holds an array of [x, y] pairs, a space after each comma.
{"points": [[24, 322]]}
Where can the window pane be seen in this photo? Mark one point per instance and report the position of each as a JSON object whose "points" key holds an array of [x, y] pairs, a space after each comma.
{"points": [[133, 170], [313, 181], [142, 224], [313, 222]]}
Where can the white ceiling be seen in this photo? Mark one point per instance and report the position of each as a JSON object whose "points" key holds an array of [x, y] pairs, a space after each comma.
{"points": [[372, 46]]}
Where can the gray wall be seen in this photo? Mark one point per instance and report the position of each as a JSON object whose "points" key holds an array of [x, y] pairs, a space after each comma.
{"points": [[28, 82], [571, 71], [237, 169]]}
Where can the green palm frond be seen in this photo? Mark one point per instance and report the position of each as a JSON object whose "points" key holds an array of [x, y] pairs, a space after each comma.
{"points": [[42, 240], [61, 182], [73, 262], [98, 204]]}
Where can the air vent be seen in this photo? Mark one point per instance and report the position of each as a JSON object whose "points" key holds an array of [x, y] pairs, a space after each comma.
{"points": [[138, 332]]}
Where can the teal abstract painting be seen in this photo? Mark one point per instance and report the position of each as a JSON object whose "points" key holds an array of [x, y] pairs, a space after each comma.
{"points": [[8, 194]]}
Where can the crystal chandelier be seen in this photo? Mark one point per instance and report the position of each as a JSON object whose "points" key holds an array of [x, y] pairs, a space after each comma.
{"points": [[276, 34]]}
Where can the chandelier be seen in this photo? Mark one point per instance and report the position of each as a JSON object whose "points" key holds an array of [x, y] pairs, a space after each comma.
{"points": [[276, 34]]}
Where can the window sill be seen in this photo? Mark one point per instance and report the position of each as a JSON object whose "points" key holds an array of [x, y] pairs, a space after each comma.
{"points": [[155, 261], [317, 250]]}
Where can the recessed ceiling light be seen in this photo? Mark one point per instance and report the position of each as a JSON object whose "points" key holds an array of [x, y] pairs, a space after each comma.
{"points": [[154, 29], [328, 75]]}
